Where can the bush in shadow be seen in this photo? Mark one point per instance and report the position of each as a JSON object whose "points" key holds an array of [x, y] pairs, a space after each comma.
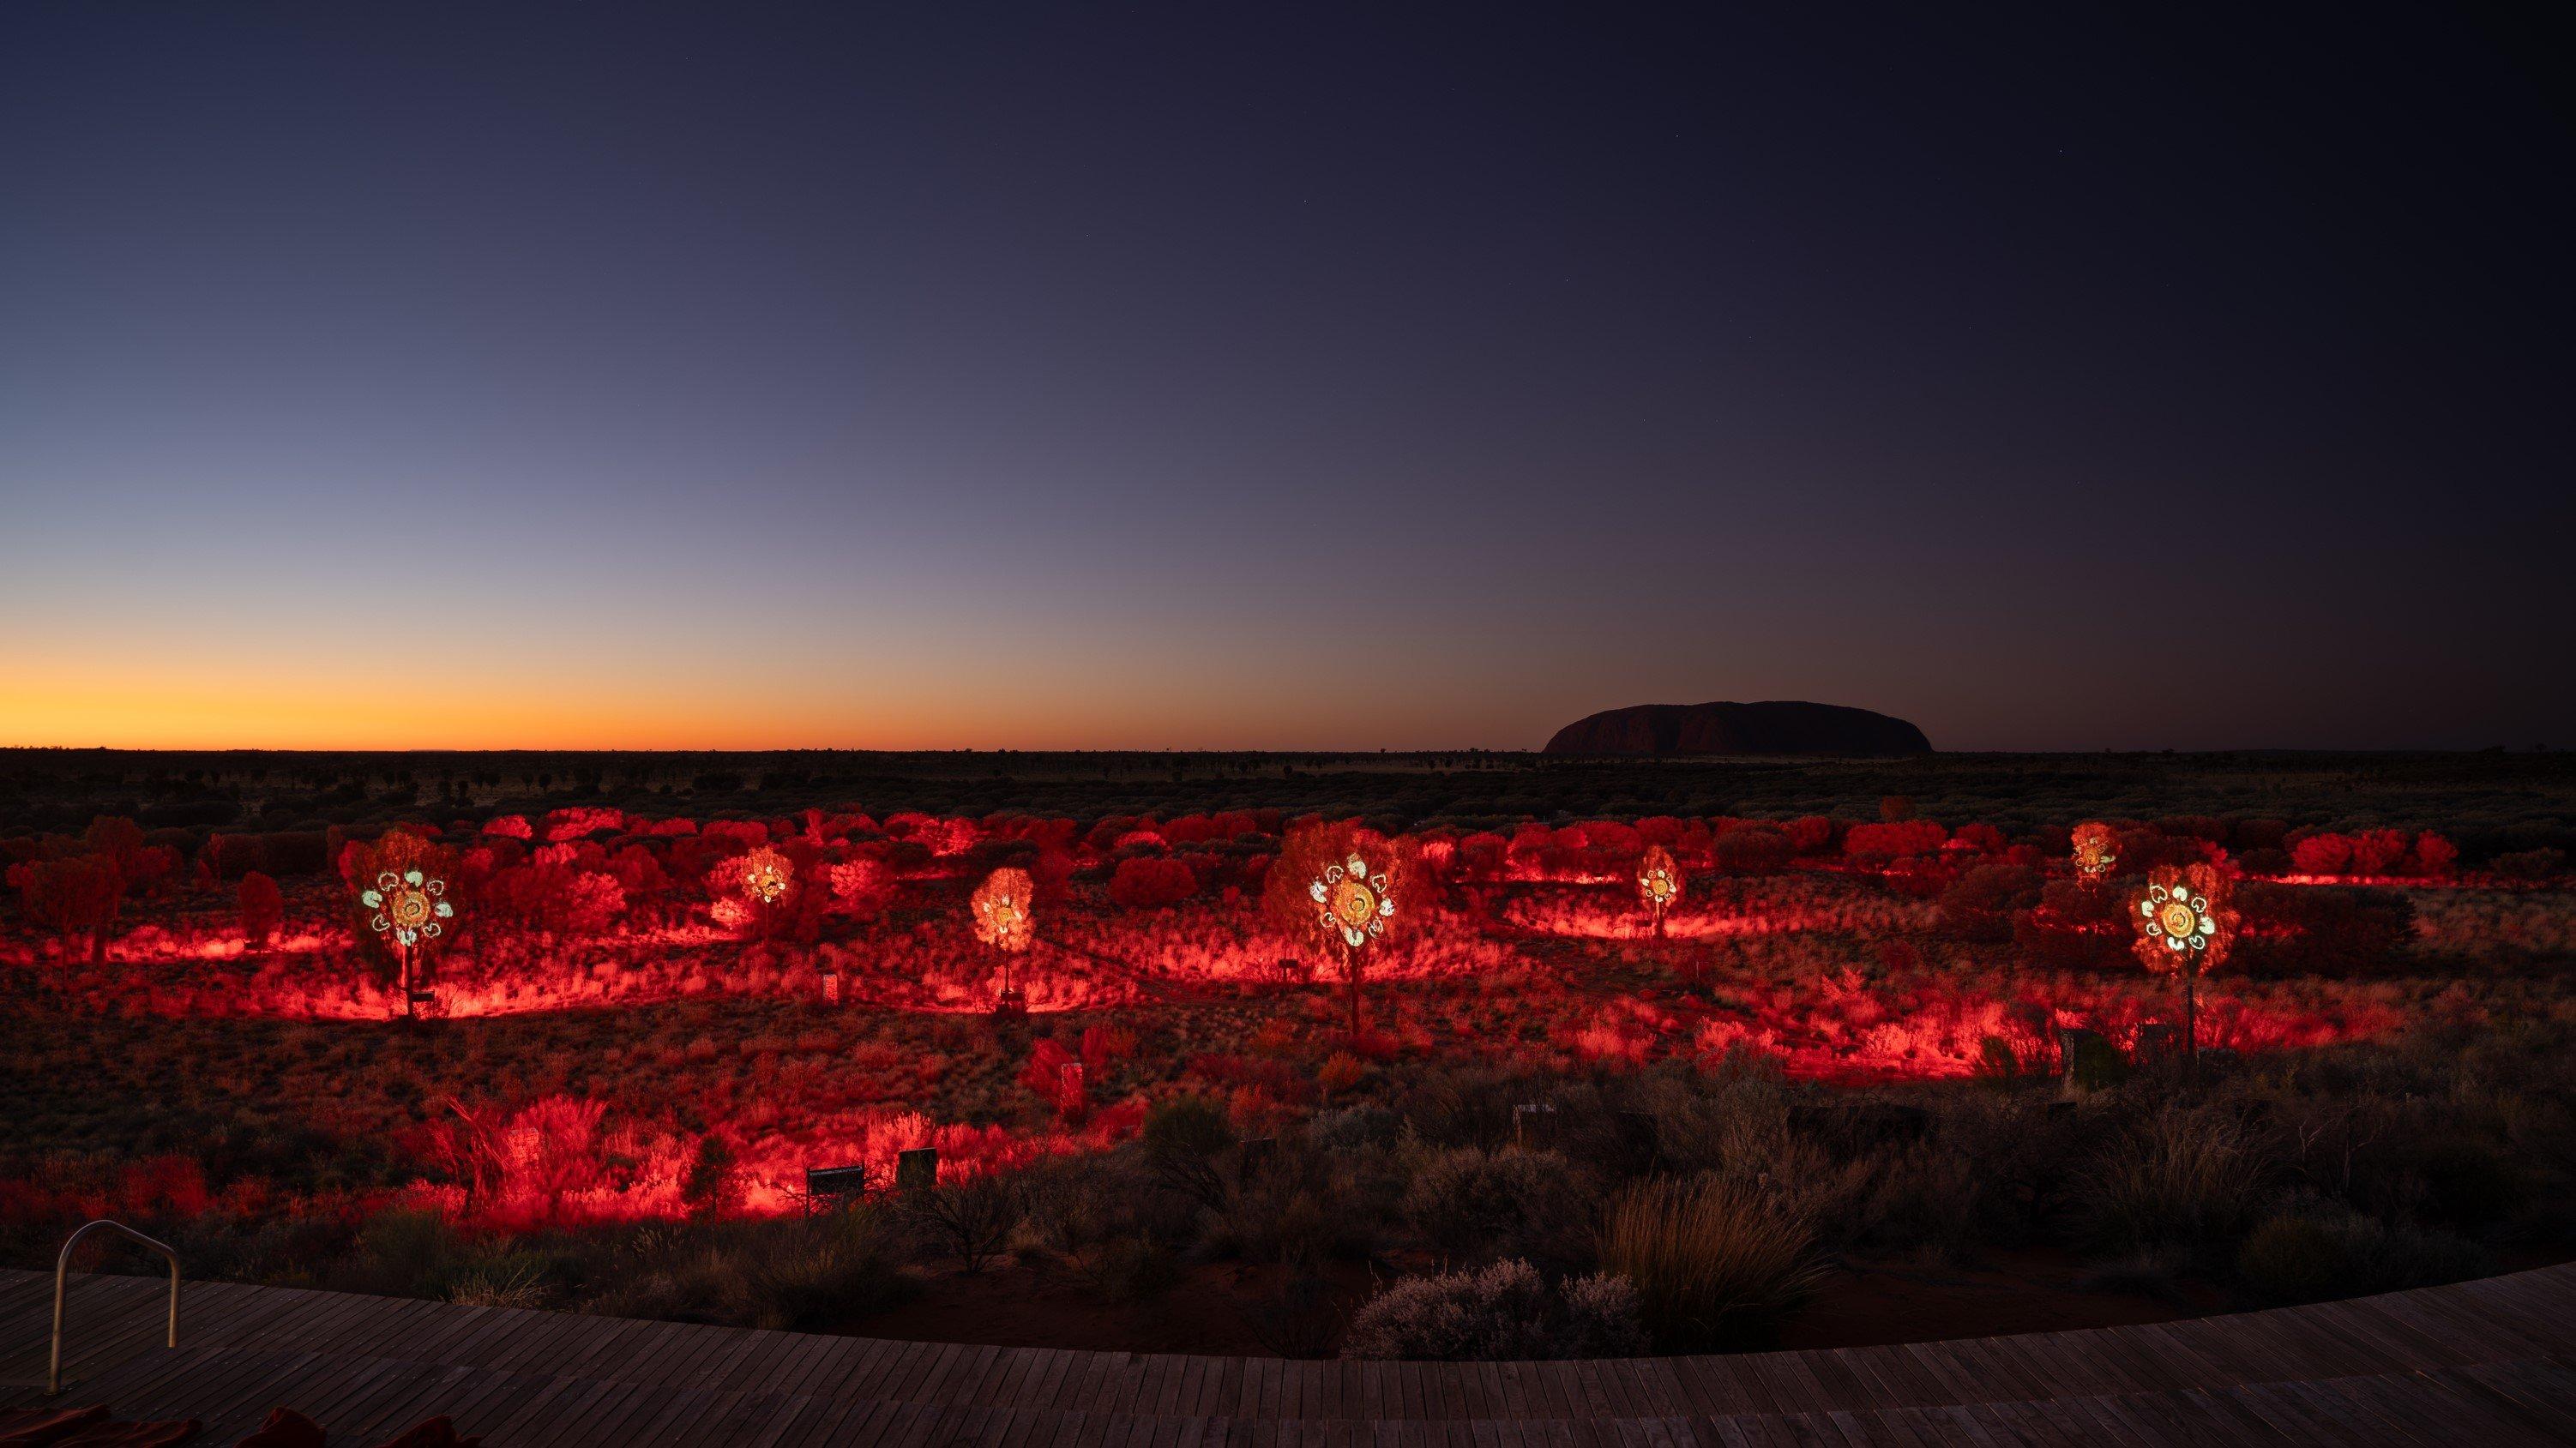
{"points": [[1502, 1312], [1715, 1262]]}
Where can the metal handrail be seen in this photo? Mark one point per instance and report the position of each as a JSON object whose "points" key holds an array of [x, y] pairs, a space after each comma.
{"points": [[62, 1269]]}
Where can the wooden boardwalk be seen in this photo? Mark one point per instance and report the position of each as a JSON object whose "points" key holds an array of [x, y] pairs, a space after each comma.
{"points": [[2483, 1364]]}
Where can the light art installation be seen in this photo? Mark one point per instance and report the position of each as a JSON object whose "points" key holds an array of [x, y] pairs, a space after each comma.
{"points": [[1659, 884], [2097, 849], [1001, 908], [2186, 924], [411, 913], [1356, 903], [767, 875], [1354, 908]]}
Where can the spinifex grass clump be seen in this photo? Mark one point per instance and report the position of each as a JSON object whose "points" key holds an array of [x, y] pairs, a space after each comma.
{"points": [[1716, 1262]]}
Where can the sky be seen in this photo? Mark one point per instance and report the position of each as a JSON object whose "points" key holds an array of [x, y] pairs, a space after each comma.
{"points": [[640, 376]]}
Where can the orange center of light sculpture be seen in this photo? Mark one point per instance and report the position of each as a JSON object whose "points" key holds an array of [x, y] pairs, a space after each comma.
{"points": [[2181, 919], [1355, 903]]}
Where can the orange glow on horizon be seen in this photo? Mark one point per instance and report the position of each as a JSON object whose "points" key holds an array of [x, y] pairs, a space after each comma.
{"points": [[187, 701]]}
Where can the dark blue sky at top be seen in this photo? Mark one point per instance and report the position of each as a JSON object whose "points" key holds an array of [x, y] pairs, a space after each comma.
{"points": [[2055, 377]]}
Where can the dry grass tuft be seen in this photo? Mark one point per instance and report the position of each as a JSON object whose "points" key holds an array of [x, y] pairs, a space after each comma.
{"points": [[1715, 1262]]}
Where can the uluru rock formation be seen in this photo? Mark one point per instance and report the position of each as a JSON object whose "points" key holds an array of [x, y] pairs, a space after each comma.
{"points": [[1777, 726]]}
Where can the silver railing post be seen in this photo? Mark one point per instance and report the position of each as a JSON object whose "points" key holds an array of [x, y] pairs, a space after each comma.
{"points": [[62, 1273]]}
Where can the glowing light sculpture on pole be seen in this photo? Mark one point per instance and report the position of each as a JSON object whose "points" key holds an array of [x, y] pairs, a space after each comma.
{"points": [[1659, 884], [1355, 906], [2186, 923], [1001, 908], [2097, 850], [767, 876], [410, 914]]}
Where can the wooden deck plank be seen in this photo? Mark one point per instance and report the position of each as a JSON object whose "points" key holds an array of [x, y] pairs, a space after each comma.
{"points": [[2472, 1361]]}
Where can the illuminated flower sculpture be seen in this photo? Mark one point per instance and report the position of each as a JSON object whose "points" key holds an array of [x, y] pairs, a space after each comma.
{"points": [[1659, 883], [1003, 920], [2097, 849], [1355, 902], [2186, 924], [410, 913], [407, 907], [1353, 907], [767, 876]]}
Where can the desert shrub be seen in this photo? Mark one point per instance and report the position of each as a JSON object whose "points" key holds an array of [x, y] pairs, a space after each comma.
{"points": [[2456, 1179], [1510, 1203], [1293, 1211], [802, 1279], [1980, 903], [1812, 834], [2376, 852], [1893, 840], [1105, 1221], [2321, 930], [1184, 1139], [1191, 1125], [1354, 1128], [2178, 1176], [861, 886], [2322, 854], [263, 909], [503, 1282], [1751, 852], [970, 1220], [1503, 1312], [2540, 864], [2315, 1253], [1715, 1262], [1148, 883], [405, 1252], [69, 897], [794, 1275], [2433, 855]]}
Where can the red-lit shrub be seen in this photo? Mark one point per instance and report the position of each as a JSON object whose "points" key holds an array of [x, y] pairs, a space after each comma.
{"points": [[640, 874], [1147, 883], [579, 821], [70, 897], [1985, 839], [2322, 854], [1981, 903], [861, 886], [1482, 857], [1751, 852], [2434, 856], [2327, 931], [263, 909], [2379, 852], [2074, 925], [1813, 834], [1058, 1078], [1894, 841]]}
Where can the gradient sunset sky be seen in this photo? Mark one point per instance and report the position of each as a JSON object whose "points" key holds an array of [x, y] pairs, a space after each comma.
{"points": [[1280, 377]]}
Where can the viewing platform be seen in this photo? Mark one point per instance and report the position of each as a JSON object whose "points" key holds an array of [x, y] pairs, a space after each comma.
{"points": [[2485, 1363]]}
